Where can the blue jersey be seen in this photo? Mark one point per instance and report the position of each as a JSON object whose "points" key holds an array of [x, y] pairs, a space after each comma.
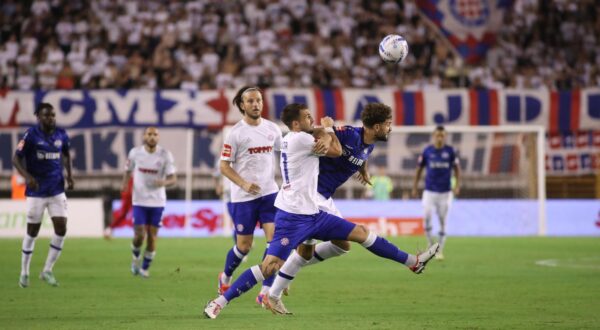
{"points": [[333, 172], [439, 163], [43, 159]]}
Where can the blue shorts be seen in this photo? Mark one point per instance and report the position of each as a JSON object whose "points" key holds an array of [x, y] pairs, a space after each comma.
{"points": [[246, 215], [145, 215], [293, 229]]}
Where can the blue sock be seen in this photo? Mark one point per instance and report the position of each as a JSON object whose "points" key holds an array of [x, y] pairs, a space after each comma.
{"points": [[148, 257], [246, 281], [233, 260], [385, 249]]}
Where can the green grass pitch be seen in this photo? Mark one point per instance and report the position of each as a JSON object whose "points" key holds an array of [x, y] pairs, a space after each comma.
{"points": [[483, 283]]}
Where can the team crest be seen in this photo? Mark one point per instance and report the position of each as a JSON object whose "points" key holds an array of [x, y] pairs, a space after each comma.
{"points": [[445, 155], [285, 241], [366, 151], [271, 137], [58, 143], [239, 227]]}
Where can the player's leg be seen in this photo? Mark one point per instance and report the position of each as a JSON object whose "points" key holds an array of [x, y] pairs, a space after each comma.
{"points": [[139, 234], [269, 229], [57, 209], [443, 205], [290, 231], [35, 211], [244, 217], [155, 215], [332, 227], [120, 215], [266, 215], [428, 209], [308, 253]]}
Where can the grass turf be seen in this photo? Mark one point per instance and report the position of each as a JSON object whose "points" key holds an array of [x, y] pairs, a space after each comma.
{"points": [[483, 283]]}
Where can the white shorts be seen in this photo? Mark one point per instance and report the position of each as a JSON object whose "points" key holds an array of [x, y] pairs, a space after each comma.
{"points": [[57, 207], [437, 200], [325, 205]]}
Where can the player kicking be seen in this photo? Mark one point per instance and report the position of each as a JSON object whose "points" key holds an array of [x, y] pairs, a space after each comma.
{"points": [[247, 160], [41, 155], [298, 217], [153, 169], [357, 144], [439, 159]]}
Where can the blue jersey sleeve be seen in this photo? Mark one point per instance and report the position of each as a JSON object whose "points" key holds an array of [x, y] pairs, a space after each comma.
{"points": [[345, 134], [24, 145]]}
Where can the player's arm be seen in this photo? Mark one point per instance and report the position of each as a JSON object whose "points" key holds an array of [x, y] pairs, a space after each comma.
{"points": [[456, 169], [231, 174], [67, 163], [125, 181], [363, 174], [19, 163], [327, 143], [170, 177], [169, 181], [420, 165]]}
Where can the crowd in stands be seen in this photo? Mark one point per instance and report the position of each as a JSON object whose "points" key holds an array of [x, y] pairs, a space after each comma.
{"points": [[202, 44]]}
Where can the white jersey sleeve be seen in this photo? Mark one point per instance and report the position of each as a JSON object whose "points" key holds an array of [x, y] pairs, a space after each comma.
{"points": [[300, 172]]}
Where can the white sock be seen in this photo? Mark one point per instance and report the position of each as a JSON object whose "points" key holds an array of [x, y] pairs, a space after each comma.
{"points": [[287, 273], [56, 245], [411, 260], [265, 289], [325, 250], [226, 279], [27, 253], [221, 301]]}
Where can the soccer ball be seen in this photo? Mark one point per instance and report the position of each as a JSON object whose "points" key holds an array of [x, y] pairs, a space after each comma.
{"points": [[393, 48]]}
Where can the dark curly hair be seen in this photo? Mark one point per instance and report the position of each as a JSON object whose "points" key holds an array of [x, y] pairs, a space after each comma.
{"points": [[237, 100], [41, 107], [375, 113]]}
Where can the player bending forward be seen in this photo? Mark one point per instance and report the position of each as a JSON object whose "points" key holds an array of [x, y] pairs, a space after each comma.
{"points": [[357, 144], [298, 217]]}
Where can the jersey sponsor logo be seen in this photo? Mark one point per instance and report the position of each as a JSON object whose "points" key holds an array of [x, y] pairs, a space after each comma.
{"points": [[41, 155], [439, 165], [21, 145], [58, 143], [260, 150], [226, 150], [356, 161], [147, 170]]}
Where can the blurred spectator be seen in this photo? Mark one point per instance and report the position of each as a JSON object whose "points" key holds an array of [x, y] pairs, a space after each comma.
{"points": [[204, 44], [382, 186]]}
